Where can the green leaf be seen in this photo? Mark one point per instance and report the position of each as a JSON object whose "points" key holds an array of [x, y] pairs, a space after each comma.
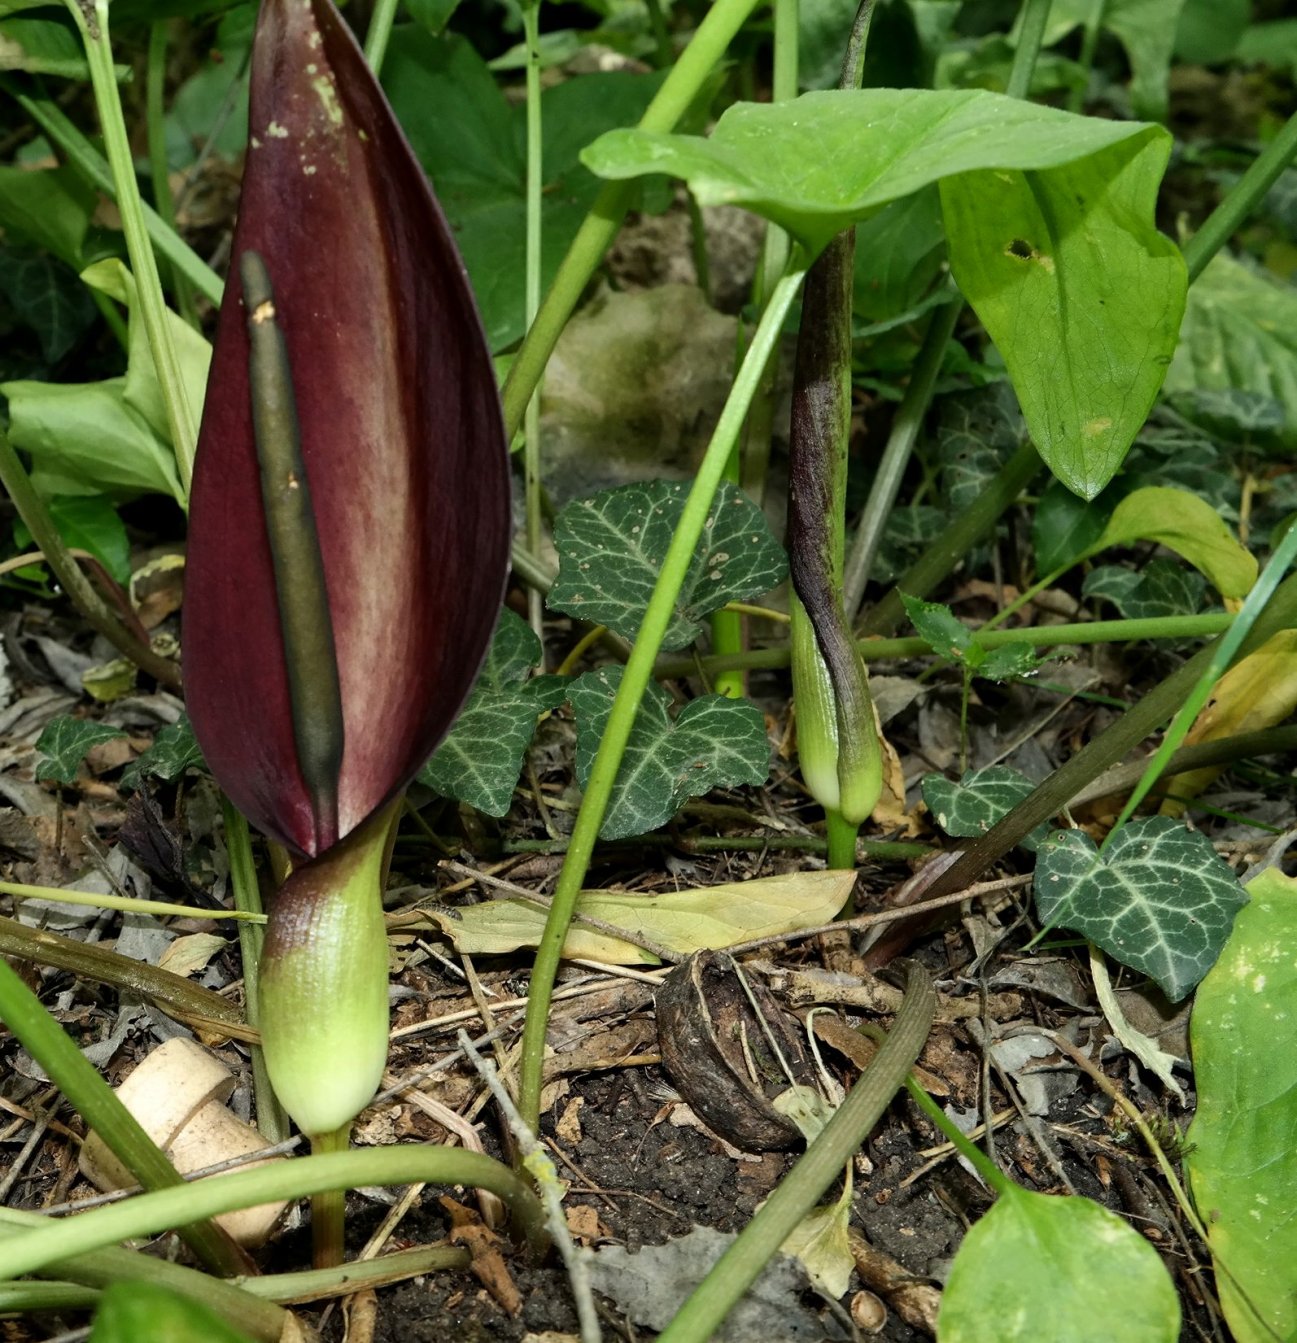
{"points": [[89, 522], [64, 744], [1159, 899], [480, 171], [1190, 526], [906, 534], [1006, 663], [1242, 1152], [981, 798], [433, 15], [1064, 527], [937, 624], [1210, 30], [611, 547], [479, 762], [683, 921], [209, 113], [713, 742], [1240, 331], [47, 297], [42, 47], [1076, 239], [174, 750], [141, 1312], [900, 253], [1159, 589], [1039, 1266], [49, 208]]}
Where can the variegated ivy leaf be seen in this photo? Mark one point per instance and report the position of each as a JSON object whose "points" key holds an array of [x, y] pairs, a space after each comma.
{"points": [[1159, 899], [611, 547], [480, 760], [1160, 588], [981, 798], [64, 744], [713, 742], [174, 750]]}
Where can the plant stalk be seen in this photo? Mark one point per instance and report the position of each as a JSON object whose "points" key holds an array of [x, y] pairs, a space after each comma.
{"points": [[329, 1206], [531, 467], [155, 117], [379, 34]]}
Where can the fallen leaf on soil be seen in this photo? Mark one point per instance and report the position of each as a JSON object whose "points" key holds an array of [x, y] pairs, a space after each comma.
{"points": [[584, 1224], [188, 955], [488, 1264], [703, 918]]}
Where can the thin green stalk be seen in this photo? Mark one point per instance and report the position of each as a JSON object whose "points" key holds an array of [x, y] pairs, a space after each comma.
{"points": [[841, 839], [531, 469], [148, 1214], [21, 1297], [635, 679], [1223, 653], [379, 33], [155, 120], [314, 1284], [126, 903], [600, 226], [800, 1190], [1035, 18], [329, 1206], [272, 1122], [896, 455], [1085, 59], [93, 167], [970, 1151], [1243, 197], [180, 414], [98, 615], [96, 1102]]}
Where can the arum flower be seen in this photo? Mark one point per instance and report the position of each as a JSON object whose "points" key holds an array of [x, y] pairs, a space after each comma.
{"points": [[349, 530]]}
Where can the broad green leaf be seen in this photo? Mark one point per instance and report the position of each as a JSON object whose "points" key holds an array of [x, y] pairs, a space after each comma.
{"points": [[480, 170], [1240, 331], [1242, 1144], [433, 15], [64, 744], [1160, 588], [1064, 527], [945, 633], [89, 522], [1039, 1266], [900, 253], [1273, 43], [48, 207], [479, 762], [611, 547], [1078, 239], [209, 113], [41, 46], [1159, 899], [1237, 416], [48, 297], [174, 750], [1182, 522], [142, 1312], [1210, 30], [713, 742], [981, 798], [708, 917]]}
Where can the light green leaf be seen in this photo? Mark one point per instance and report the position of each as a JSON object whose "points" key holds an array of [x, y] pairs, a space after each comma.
{"points": [[1080, 293], [706, 918], [945, 633], [42, 47], [64, 744], [713, 742], [1190, 526], [1240, 331], [49, 207], [1159, 899], [479, 762], [611, 547], [1039, 1266], [1161, 588], [981, 798], [174, 750], [1242, 1152], [1005, 663], [820, 1241], [142, 1312], [89, 522]]}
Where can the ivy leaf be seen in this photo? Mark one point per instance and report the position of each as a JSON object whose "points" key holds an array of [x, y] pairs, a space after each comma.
{"points": [[945, 634], [611, 547], [479, 762], [1159, 900], [65, 743], [981, 798], [713, 742], [48, 298], [1064, 527], [174, 750], [1161, 588]]}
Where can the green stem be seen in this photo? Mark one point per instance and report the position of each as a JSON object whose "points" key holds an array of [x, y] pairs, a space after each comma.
{"points": [[180, 416], [1242, 199], [1085, 59], [800, 1190], [156, 125], [98, 615], [600, 226], [531, 468], [277, 1180], [329, 1206], [126, 903], [1035, 18], [93, 167], [970, 1151], [96, 1102], [272, 1122], [379, 33], [635, 679], [896, 455], [841, 835]]}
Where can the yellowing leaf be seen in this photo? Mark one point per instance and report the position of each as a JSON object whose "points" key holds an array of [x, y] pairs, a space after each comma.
{"points": [[820, 1242], [190, 954], [682, 921], [1260, 692], [1182, 522]]}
